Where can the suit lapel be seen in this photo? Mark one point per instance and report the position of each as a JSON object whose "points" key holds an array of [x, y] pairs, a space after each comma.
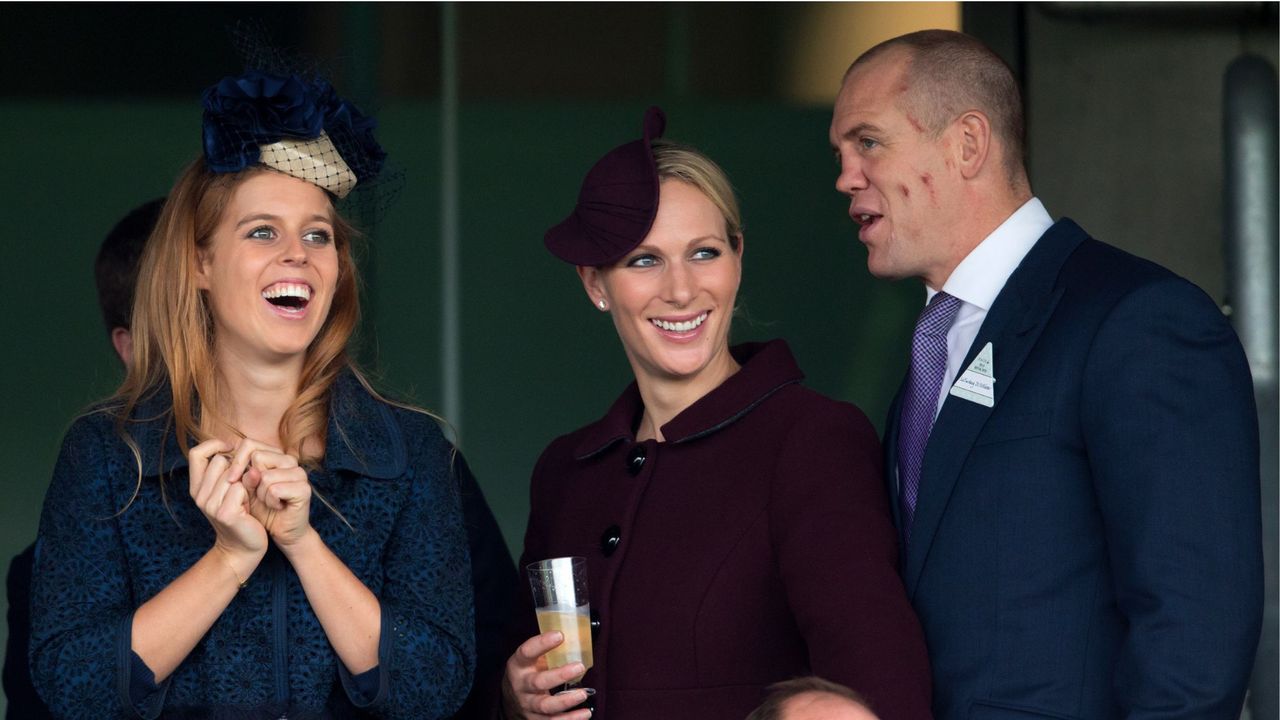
{"points": [[1012, 326]]}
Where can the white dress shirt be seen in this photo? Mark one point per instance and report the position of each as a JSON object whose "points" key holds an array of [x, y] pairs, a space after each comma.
{"points": [[980, 277]]}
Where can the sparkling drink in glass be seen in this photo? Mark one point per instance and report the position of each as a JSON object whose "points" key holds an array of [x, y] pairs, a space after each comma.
{"points": [[561, 603]]}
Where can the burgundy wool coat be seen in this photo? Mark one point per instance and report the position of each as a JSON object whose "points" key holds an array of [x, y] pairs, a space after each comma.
{"points": [[753, 545]]}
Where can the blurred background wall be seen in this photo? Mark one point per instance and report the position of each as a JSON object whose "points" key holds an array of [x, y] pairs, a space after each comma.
{"points": [[494, 111]]}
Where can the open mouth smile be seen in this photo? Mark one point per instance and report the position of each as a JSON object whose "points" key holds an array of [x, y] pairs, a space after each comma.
{"points": [[289, 299], [682, 326]]}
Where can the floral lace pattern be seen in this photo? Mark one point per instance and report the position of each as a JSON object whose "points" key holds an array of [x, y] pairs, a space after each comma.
{"points": [[388, 471]]}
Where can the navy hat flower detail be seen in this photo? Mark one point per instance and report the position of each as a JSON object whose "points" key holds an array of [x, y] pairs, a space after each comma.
{"points": [[616, 205], [294, 124]]}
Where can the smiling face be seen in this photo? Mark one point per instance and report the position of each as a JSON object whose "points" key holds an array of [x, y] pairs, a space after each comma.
{"points": [[899, 178], [270, 268], [672, 297]]}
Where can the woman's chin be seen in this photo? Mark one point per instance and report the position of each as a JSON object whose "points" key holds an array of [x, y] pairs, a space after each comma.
{"points": [[685, 367]]}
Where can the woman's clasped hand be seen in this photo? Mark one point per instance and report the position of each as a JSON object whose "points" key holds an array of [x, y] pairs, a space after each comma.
{"points": [[249, 493]]}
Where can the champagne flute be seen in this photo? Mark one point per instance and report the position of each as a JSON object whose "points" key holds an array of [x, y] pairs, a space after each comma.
{"points": [[561, 602]]}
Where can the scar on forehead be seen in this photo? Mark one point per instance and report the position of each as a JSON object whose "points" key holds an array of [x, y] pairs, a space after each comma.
{"points": [[926, 178], [915, 123], [905, 192]]}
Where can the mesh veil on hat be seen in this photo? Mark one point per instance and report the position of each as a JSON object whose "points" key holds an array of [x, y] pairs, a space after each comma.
{"points": [[294, 123], [616, 205], [317, 161]]}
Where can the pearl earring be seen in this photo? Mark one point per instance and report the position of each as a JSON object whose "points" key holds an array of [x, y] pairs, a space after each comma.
{"points": [[602, 305]]}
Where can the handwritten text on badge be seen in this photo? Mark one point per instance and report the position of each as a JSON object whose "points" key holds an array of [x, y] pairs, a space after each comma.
{"points": [[978, 383]]}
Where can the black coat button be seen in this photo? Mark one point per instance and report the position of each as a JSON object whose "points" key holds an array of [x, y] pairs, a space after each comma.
{"points": [[635, 460], [595, 623], [610, 539]]}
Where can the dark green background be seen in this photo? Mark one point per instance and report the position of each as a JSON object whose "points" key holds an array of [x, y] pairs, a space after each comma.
{"points": [[537, 359], [99, 112]]}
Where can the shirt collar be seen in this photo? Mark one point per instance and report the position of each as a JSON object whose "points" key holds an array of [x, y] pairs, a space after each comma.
{"points": [[978, 279], [766, 368], [363, 436]]}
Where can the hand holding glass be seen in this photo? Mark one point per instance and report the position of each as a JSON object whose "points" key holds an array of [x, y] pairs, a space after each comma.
{"points": [[560, 599]]}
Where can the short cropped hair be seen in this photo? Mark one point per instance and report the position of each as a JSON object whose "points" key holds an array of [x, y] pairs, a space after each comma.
{"points": [[115, 271], [787, 690], [950, 72], [682, 162]]}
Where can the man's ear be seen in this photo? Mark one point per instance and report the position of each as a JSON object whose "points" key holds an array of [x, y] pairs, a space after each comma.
{"points": [[975, 142], [594, 285]]}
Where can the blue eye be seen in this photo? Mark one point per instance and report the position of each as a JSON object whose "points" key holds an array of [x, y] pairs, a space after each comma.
{"points": [[867, 143], [642, 261], [706, 253], [317, 237], [263, 232]]}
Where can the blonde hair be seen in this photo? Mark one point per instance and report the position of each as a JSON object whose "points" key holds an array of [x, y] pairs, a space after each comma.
{"points": [[173, 329], [676, 161]]}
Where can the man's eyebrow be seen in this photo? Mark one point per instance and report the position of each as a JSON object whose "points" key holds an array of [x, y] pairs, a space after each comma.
{"points": [[860, 128]]}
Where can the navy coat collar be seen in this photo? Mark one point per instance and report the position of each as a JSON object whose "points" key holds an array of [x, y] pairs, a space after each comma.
{"points": [[766, 368], [1012, 326], [363, 436]]}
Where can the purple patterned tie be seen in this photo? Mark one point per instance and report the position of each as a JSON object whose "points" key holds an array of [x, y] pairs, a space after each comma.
{"points": [[920, 404]]}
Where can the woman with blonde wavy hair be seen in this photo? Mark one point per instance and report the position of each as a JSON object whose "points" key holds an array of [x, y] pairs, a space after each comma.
{"points": [[732, 523], [242, 597]]}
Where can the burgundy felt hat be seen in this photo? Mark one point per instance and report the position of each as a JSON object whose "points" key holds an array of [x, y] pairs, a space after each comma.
{"points": [[616, 205]]}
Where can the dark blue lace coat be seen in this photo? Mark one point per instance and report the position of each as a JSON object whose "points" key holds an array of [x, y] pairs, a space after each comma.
{"points": [[388, 470]]}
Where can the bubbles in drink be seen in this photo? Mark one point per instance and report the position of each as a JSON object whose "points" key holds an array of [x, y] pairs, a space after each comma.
{"points": [[575, 625]]}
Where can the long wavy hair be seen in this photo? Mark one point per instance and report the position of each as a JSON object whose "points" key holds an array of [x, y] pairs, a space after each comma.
{"points": [[173, 327]]}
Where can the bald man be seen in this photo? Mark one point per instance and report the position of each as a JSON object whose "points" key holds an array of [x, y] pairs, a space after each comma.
{"points": [[1074, 452]]}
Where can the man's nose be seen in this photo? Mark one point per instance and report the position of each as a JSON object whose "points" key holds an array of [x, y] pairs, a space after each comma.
{"points": [[850, 180]]}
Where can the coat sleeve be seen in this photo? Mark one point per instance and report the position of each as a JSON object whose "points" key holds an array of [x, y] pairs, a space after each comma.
{"points": [[427, 649], [1172, 439], [493, 577], [837, 554], [81, 602]]}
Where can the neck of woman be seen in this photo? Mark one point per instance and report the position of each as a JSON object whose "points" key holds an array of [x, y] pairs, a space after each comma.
{"points": [[253, 396], [665, 397]]}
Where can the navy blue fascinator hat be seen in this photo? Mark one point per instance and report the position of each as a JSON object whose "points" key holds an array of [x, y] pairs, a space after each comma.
{"points": [[617, 202], [293, 123]]}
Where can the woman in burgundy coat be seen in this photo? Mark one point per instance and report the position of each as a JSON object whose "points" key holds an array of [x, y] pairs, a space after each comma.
{"points": [[735, 525]]}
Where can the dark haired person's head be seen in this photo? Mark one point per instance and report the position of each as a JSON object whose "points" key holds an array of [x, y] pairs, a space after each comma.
{"points": [[115, 272]]}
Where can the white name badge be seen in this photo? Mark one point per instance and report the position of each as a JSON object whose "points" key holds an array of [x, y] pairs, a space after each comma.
{"points": [[978, 383]]}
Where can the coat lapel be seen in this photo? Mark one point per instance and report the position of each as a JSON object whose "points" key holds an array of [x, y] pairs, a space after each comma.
{"points": [[1012, 326]]}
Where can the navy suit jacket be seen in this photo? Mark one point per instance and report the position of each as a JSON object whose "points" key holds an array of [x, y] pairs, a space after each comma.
{"points": [[1090, 546]]}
